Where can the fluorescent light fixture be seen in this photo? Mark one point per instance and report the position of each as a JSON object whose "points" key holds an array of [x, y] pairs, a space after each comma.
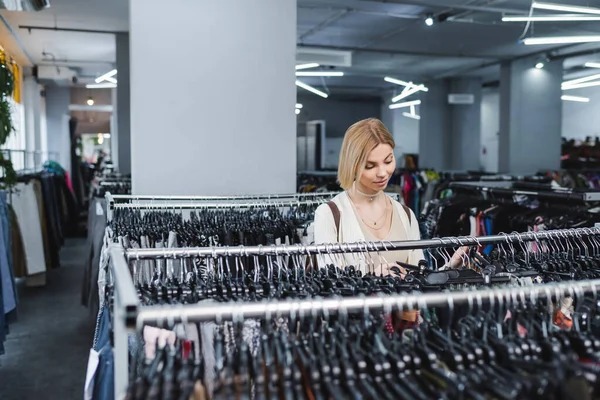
{"points": [[101, 85], [561, 40], [539, 65], [405, 94], [111, 80], [308, 65], [581, 80], [107, 75], [404, 83], [405, 104], [549, 18], [592, 64], [581, 85], [106, 135], [320, 73], [565, 8], [413, 116], [575, 98], [311, 89], [413, 110], [297, 111], [298, 105]]}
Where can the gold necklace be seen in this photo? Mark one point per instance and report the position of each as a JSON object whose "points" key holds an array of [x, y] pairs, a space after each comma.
{"points": [[385, 211]]}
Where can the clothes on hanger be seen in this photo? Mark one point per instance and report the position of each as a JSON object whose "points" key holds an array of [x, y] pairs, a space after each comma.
{"points": [[237, 342]]}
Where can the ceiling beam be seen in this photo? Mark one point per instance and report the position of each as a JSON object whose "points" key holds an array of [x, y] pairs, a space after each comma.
{"points": [[445, 4], [323, 24], [394, 52], [464, 70], [358, 11], [50, 28]]}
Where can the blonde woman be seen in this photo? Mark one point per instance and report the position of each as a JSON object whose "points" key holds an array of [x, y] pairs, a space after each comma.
{"points": [[364, 211]]}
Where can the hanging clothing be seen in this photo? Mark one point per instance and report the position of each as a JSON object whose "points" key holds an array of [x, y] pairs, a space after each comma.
{"points": [[27, 210]]}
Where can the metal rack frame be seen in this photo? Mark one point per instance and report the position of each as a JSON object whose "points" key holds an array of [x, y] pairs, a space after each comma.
{"points": [[139, 254], [502, 188], [130, 315]]}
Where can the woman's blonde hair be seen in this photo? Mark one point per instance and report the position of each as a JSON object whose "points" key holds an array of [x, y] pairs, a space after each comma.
{"points": [[360, 139]]}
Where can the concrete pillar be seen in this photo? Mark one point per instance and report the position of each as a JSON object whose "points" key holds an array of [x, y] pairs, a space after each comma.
{"points": [[216, 117], [450, 133], [122, 116], [57, 121], [530, 116]]}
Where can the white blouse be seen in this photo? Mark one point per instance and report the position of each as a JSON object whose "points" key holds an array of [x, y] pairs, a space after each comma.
{"points": [[351, 232]]}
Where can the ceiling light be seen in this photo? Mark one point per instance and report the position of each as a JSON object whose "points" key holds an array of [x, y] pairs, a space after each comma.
{"points": [[405, 94], [100, 138], [561, 40], [575, 98], [311, 89], [298, 105], [565, 8], [429, 21], [581, 85], [549, 18], [106, 135], [319, 73], [101, 85], [405, 104], [297, 111], [413, 116], [539, 65], [404, 83], [90, 101], [111, 80], [592, 64], [107, 75], [581, 80], [305, 66]]}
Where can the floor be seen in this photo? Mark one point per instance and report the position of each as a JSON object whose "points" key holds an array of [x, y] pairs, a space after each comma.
{"points": [[47, 348]]}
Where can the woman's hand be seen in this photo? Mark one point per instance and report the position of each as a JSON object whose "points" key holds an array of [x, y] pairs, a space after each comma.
{"points": [[458, 258]]}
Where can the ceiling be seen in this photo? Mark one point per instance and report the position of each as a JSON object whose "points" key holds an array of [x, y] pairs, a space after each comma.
{"points": [[384, 37]]}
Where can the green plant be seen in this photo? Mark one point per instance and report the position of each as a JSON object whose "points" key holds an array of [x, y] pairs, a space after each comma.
{"points": [[7, 86]]}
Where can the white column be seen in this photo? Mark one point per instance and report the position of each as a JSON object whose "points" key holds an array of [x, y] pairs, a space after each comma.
{"points": [[212, 97], [530, 116]]}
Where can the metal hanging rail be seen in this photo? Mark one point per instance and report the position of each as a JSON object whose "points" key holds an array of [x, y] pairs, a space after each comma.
{"points": [[161, 315], [502, 189], [139, 254]]}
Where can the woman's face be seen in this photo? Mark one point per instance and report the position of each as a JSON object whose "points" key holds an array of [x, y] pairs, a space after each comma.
{"points": [[379, 168]]}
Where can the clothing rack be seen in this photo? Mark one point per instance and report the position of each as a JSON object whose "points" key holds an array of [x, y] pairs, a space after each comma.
{"points": [[281, 250], [193, 202], [128, 314], [159, 315], [504, 189]]}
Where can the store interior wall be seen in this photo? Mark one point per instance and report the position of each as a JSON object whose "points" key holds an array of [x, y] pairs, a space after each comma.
{"points": [[58, 99], [581, 120], [339, 114]]}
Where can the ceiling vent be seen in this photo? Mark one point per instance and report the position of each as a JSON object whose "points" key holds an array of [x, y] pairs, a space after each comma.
{"points": [[333, 58], [24, 5]]}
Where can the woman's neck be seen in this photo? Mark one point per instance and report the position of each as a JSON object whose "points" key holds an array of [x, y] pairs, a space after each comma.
{"points": [[361, 195]]}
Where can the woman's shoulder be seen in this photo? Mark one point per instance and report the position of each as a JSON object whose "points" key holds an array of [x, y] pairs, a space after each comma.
{"points": [[339, 200]]}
